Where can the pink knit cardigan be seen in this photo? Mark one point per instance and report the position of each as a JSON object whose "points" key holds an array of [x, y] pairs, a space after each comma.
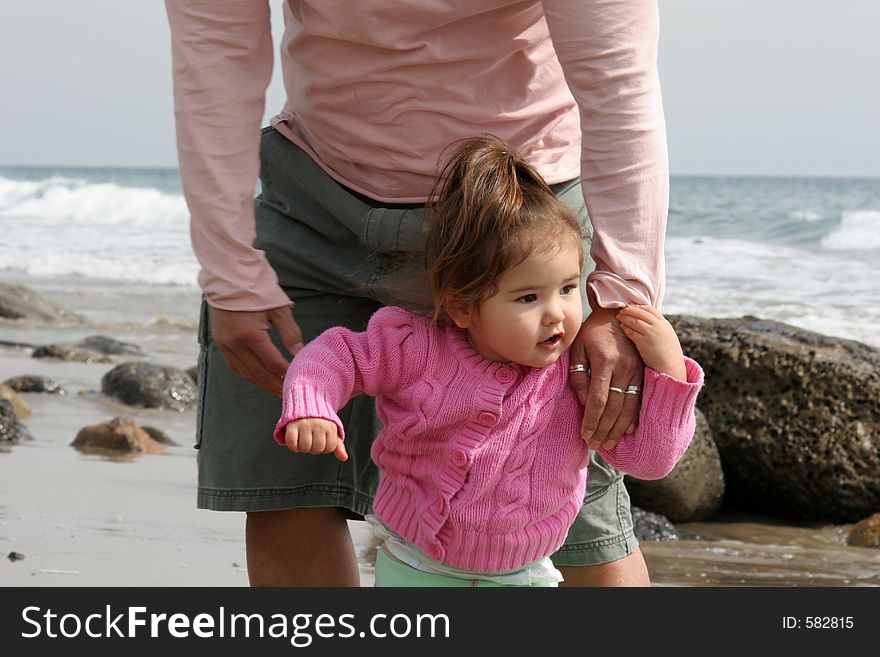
{"points": [[482, 464]]}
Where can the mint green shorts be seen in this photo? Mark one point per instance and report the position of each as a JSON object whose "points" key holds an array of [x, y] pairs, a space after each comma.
{"points": [[341, 256], [391, 572]]}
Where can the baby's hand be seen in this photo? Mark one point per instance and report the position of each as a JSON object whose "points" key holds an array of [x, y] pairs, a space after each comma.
{"points": [[314, 435], [655, 339]]}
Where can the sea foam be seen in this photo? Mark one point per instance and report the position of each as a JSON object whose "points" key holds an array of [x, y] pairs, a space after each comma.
{"points": [[88, 202], [712, 277], [70, 226], [858, 231]]}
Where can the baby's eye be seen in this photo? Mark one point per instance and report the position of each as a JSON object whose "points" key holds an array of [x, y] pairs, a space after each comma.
{"points": [[568, 289], [528, 298]]}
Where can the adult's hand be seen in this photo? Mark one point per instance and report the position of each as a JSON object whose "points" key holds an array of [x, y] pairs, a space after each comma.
{"points": [[243, 339], [612, 361]]}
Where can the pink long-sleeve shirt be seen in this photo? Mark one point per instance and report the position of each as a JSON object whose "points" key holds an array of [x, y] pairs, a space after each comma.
{"points": [[376, 89], [482, 464]]}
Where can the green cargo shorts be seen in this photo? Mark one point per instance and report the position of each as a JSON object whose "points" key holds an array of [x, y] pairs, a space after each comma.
{"points": [[341, 256]]}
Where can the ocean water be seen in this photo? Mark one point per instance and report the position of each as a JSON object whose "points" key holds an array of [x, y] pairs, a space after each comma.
{"points": [[797, 250], [114, 244]]}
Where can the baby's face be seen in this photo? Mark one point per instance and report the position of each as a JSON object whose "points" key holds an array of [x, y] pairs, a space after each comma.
{"points": [[536, 312]]}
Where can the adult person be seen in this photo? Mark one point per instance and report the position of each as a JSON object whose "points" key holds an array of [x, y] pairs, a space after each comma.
{"points": [[375, 92]]}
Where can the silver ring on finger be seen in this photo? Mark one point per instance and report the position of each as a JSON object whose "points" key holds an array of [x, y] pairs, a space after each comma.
{"points": [[578, 367], [615, 389], [631, 390]]}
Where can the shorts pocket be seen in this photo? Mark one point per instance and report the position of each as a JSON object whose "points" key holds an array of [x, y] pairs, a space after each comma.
{"points": [[391, 229]]}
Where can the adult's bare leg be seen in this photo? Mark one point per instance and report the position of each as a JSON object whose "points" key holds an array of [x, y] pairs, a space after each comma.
{"points": [[631, 570], [300, 547]]}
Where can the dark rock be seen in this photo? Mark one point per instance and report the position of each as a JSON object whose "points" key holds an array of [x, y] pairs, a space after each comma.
{"points": [[19, 405], [794, 415], [153, 386], [20, 302], [11, 429], [109, 346], [35, 383], [159, 436], [119, 434], [71, 352], [15, 556], [18, 346], [865, 533], [695, 487], [649, 526]]}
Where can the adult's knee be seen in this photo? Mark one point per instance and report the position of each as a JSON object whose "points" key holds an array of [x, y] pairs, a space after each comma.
{"points": [[300, 547]]}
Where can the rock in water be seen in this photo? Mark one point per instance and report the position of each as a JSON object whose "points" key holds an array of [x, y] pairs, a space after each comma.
{"points": [[153, 386], [109, 346], [35, 383], [120, 434], [794, 414], [71, 353], [19, 405], [20, 302], [11, 429], [159, 436], [695, 487], [649, 526], [865, 533]]}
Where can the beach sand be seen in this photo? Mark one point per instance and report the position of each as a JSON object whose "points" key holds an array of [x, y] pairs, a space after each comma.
{"points": [[84, 520]]}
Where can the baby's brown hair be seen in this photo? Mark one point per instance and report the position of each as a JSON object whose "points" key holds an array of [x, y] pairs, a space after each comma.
{"points": [[492, 210]]}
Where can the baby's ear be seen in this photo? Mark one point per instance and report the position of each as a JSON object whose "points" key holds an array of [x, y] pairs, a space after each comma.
{"points": [[458, 310]]}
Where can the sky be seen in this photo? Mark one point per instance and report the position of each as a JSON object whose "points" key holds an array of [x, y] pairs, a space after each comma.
{"points": [[750, 87]]}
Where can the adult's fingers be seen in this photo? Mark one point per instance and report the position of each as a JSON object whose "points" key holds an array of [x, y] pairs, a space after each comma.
{"points": [[614, 364], [620, 415], [243, 339], [629, 413], [291, 335], [610, 375], [257, 360], [603, 408], [579, 371]]}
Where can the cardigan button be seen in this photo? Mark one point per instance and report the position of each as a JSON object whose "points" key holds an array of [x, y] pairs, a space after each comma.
{"points": [[487, 419], [504, 375], [459, 458]]}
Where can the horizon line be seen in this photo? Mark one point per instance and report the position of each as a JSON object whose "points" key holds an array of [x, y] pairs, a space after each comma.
{"points": [[149, 167]]}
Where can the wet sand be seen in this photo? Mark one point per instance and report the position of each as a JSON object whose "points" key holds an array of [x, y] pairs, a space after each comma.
{"points": [[82, 520]]}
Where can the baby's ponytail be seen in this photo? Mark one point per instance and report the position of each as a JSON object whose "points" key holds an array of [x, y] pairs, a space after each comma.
{"points": [[491, 210]]}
